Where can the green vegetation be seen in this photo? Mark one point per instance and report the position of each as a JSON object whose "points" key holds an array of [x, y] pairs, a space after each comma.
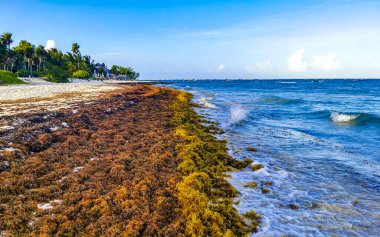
{"points": [[81, 74], [56, 74], [127, 72], [26, 59], [7, 78], [204, 194]]}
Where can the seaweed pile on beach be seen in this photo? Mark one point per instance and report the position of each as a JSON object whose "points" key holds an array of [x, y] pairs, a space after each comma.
{"points": [[134, 162]]}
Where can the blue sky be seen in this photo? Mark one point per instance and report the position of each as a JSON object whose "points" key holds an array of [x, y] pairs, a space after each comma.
{"points": [[210, 39]]}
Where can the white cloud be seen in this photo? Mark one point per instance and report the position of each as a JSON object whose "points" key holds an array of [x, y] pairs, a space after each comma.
{"points": [[221, 67], [327, 63], [50, 44], [297, 62]]}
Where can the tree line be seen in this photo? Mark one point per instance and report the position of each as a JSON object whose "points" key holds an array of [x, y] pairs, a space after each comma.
{"points": [[26, 59]]}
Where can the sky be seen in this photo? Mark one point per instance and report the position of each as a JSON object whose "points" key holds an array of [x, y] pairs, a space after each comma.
{"points": [[236, 39]]}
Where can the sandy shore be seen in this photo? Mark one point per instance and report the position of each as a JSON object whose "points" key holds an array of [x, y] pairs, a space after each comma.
{"points": [[41, 89], [42, 95]]}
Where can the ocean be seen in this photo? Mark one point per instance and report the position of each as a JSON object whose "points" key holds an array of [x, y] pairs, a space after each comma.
{"points": [[319, 145]]}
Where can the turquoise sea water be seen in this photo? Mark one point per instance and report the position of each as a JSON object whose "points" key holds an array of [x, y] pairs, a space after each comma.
{"points": [[319, 143]]}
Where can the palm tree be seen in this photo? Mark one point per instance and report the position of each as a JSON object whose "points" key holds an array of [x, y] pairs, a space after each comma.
{"points": [[5, 46], [6, 39], [30, 57], [26, 49], [75, 49], [40, 54]]}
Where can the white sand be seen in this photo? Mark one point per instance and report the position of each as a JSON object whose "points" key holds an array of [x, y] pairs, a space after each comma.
{"points": [[41, 89], [40, 94]]}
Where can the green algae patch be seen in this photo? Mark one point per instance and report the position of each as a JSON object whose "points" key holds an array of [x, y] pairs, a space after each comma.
{"points": [[206, 198]]}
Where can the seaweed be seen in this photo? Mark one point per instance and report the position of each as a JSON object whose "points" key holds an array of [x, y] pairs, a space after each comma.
{"points": [[204, 194], [116, 168]]}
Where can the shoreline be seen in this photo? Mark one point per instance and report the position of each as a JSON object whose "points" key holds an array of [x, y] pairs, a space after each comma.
{"points": [[116, 163]]}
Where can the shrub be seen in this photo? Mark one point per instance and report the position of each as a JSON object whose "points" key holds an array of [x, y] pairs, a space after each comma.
{"points": [[9, 78], [22, 73], [38, 73], [56, 74], [81, 74]]}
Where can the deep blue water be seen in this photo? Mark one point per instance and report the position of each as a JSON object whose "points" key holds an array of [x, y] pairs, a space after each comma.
{"points": [[319, 142]]}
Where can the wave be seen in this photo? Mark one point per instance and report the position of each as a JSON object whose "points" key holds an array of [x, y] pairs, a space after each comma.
{"points": [[343, 118], [287, 82], [237, 114], [204, 101], [347, 118], [355, 118]]}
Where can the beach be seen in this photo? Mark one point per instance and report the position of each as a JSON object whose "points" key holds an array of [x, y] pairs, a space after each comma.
{"points": [[105, 159]]}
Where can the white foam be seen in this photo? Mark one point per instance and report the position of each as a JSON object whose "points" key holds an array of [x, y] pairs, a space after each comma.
{"points": [[238, 114], [262, 172], [282, 174], [343, 118], [205, 103]]}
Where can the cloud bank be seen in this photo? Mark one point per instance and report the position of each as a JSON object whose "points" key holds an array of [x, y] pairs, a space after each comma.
{"points": [[297, 62]]}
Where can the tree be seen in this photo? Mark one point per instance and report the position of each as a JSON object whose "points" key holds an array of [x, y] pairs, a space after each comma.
{"points": [[40, 54], [115, 70], [5, 45], [6, 39], [27, 50], [25, 58], [75, 49]]}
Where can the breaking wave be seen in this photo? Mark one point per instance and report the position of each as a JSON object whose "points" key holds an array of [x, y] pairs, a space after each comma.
{"points": [[204, 101], [343, 118], [237, 114], [354, 118], [347, 118]]}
